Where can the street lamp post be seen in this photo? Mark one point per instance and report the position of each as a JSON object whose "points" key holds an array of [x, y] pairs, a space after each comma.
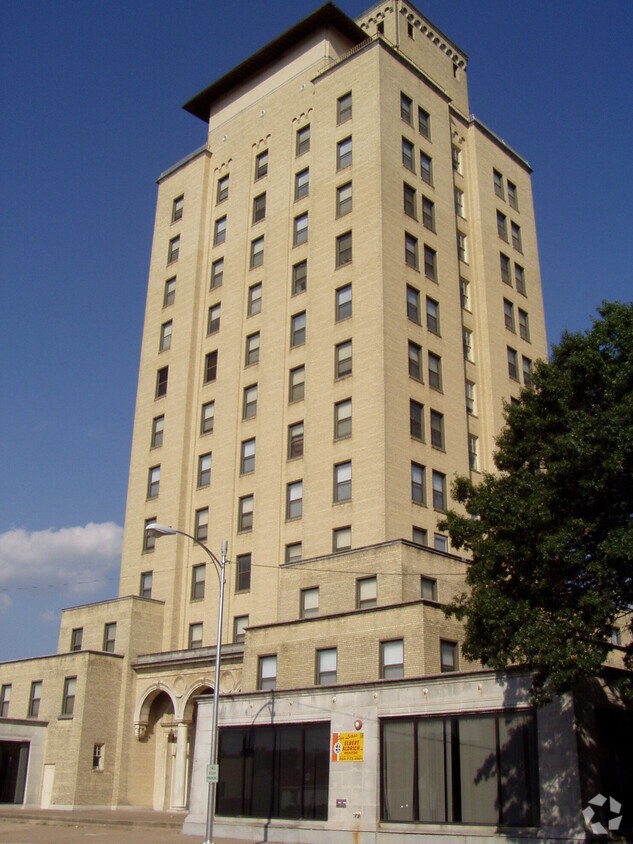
{"points": [[166, 530]]}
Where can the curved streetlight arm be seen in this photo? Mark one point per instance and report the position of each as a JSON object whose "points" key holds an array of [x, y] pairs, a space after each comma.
{"points": [[166, 530]]}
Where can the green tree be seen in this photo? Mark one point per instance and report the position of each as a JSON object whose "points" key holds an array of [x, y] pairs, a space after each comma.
{"points": [[551, 533]]}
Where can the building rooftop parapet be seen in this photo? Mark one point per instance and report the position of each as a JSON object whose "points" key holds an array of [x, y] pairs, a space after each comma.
{"points": [[477, 123], [364, 548], [63, 654], [183, 162], [232, 652]]}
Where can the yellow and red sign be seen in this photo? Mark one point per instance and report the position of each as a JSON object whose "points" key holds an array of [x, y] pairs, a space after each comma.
{"points": [[347, 747]]}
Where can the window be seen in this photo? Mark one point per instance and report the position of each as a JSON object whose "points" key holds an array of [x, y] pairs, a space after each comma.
{"points": [[109, 637], [415, 361], [513, 364], [201, 527], [467, 342], [513, 196], [245, 513], [326, 667], [343, 359], [240, 623], [303, 140], [302, 184], [259, 208], [198, 582], [498, 183], [527, 372], [505, 268], [413, 304], [392, 659], [145, 589], [432, 315], [149, 538], [508, 315], [448, 656], [410, 250], [76, 638], [165, 336], [169, 296], [516, 236], [408, 153], [366, 592], [98, 757], [174, 250], [300, 230], [344, 199], [459, 202], [257, 252], [452, 752], [210, 367], [344, 108], [296, 390], [344, 153], [213, 319], [502, 226], [243, 573], [524, 327], [410, 201], [158, 427], [519, 279], [5, 700], [343, 419], [207, 417], [343, 481], [424, 123], [426, 168], [464, 290], [416, 420], [267, 673], [251, 355], [223, 189], [440, 542], [470, 398], [204, 469], [437, 429], [406, 109], [309, 602], [153, 481], [342, 538], [219, 231], [462, 251], [418, 483], [294, 500], [254, 299], [473, 461], [295, 440], [298, 329], [430, 263], [68, 699], [456, 155], [616, 638], [249, 404], [299, 277], [344, 249], [428, 588], [428, 213], [217, 273], [161, 382], [247, 459], [34, 699], [177, 208], [261, 165], [420, 536], [343, 302], [439, 491], [195, 635], [293, 552], [435, 371]]}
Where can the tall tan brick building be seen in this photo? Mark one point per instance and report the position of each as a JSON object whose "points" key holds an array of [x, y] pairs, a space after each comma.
{"points": [[344, 293]]}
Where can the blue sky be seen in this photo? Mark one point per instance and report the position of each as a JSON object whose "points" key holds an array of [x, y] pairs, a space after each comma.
{"points": [[91, 101]]}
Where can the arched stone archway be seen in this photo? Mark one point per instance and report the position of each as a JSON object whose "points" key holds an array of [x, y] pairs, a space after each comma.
{"points": [[152, 775]]}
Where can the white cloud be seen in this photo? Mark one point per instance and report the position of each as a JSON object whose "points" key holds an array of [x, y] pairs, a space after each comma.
{"points": [[5, 602], [76, 560]]}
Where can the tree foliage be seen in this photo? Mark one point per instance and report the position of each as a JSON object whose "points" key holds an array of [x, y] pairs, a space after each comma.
{"points": [[551, 533]]}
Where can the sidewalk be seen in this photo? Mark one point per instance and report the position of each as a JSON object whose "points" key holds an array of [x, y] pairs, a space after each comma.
{"points": [[102, 826]]}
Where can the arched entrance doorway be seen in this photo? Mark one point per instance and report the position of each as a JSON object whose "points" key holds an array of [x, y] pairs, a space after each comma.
{"points": [[155, 753]]}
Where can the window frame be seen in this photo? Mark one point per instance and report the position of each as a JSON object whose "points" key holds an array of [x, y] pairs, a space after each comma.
{"points": [[201, 524], [309, 608], [342, 303], [343, 362], [261, 165], [294, 501], [344, 153], [204, 469], [213, 318], [259, 208], [243, 571], [344, 108], [302, 184], [247, 456], [325, 676], [207, 417], [177, 208], [296, 384], [68, 697], [299, 278], [198, 581], [363, 584], [252, 348], [342, 482], [341, 423], [219, 230], [109, 637], [295, 440], [249, 404], [245, 513], [344, 204], [210, 367], [418, 483], [344, 249], [392, 669], [222, 189], [217, 274], [302, 142]]}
